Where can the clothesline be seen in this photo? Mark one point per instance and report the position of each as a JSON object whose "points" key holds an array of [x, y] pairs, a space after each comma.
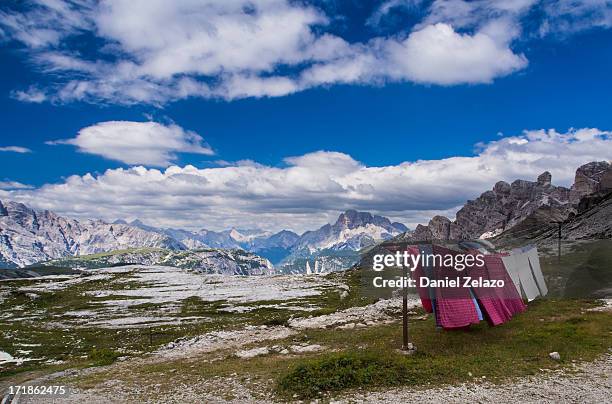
{"points": [[457, 307]]}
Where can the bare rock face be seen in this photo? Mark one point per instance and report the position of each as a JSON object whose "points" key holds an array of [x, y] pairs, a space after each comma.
{"points": [[545, 179], [28, 236], [533, 206], [497, 210], [591, 178], [508, 204], [606, 180], [594, 218], [439, 228]]}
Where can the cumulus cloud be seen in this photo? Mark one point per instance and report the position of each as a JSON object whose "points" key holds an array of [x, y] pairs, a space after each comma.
{"points": [[15, 149], [437, 54], [312, 189], [148, 143], [156, 51], [12, 185]]}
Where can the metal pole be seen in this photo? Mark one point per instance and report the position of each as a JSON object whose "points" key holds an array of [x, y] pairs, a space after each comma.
{"points": [[559, 224]]}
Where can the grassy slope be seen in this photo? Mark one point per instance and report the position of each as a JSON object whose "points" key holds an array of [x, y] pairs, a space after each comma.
{"points": [[368, 358], [77, 345]]}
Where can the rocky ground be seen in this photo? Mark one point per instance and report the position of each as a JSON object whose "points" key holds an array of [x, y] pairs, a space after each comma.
{"points": [[589, 382], [585, 383]]}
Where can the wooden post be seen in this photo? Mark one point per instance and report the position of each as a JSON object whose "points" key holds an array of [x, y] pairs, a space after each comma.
{"points": [[404, 309], [560, 224], [559, 242]]}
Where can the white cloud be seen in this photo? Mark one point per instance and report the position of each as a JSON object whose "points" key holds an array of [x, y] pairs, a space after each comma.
{"points": [[12, 185], [387, 6], [32, 94], [15, 149], [157, 51], [437, 54], [148, 143], [569, 16], [311, 189]]}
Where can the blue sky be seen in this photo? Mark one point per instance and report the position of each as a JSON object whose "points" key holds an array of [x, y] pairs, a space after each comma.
{"points": [[356, 78]]}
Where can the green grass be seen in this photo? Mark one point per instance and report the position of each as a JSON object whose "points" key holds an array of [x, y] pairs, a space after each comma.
{"points": [[368, 358], [341, 371], [55, 339], [519, 347], [103, 356]]}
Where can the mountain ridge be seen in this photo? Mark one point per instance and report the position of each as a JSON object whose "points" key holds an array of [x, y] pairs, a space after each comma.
{"points": [[506, 206]]}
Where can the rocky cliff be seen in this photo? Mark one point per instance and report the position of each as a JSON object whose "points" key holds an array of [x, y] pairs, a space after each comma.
{"points": [[528, 203], [28, 236]]}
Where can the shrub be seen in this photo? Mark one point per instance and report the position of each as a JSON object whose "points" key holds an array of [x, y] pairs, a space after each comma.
{"points": [[103, 356], [344, 370]]}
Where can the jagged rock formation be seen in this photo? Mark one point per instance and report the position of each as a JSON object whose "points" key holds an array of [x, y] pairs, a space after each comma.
{"points": [[28, 236], [335, 246], [353, 230], [210, 261], [532, 205], [439, 228], [591, 178]]}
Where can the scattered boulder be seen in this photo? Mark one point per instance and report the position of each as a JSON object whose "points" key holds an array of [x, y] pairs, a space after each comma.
{"points": [[555, 356], [306, 348], [251, 353]]}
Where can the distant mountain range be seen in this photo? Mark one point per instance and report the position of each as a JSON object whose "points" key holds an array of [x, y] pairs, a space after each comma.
{"points": [[206, 260], [352, 231], [28, 237], [520, 209]]}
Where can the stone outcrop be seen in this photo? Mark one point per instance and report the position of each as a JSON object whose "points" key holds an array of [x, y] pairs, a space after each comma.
{"points": [[591, 178], [507, 205], [28, 236]]}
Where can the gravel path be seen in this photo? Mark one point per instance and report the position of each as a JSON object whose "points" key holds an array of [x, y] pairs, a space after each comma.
{"points": [[586, 383], [590, 383]]}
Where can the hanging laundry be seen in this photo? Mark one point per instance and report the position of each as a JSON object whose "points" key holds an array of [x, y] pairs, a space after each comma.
{"points": [[494, 309], [510, 294], [517, 263], [476, 305], [459, 306], [426, 299], [454, 304], [509, 263], [534, 262], [528, 281]]}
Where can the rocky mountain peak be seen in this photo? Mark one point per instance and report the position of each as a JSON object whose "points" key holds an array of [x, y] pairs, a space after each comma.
{"points": [[506, 205], [591, 178], [544, 179], [352, 219], [502, 188], [28, 236]]}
